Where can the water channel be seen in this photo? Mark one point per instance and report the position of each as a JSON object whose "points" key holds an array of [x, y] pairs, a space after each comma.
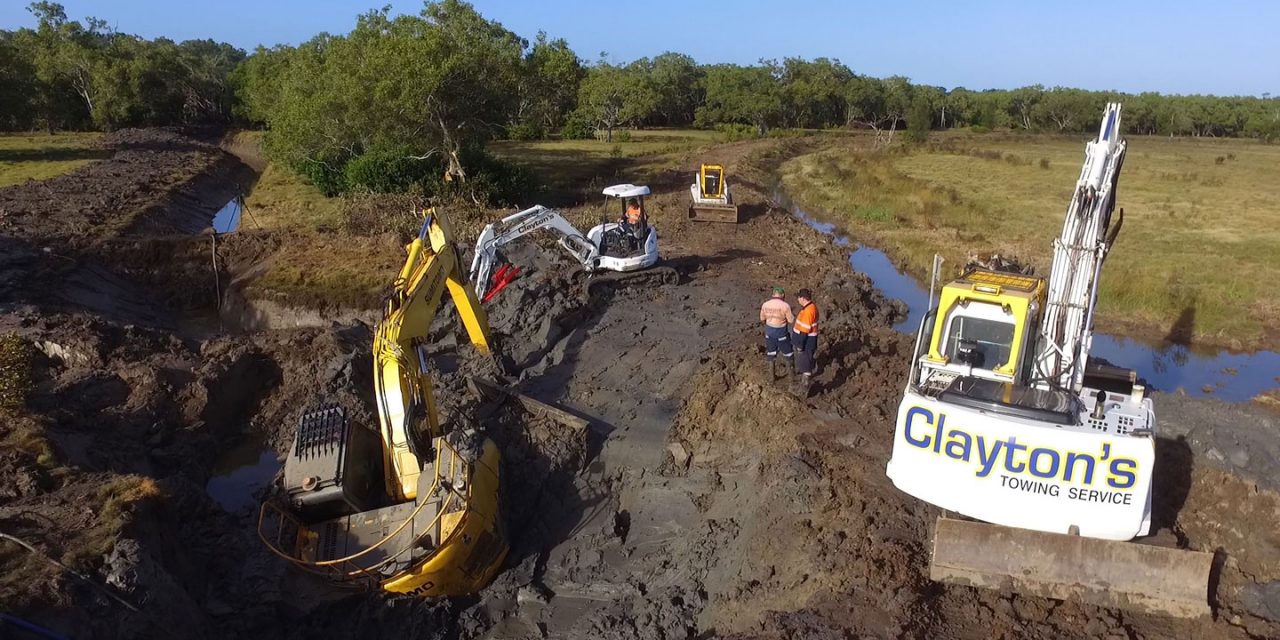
{"points": [[1234, 377]]}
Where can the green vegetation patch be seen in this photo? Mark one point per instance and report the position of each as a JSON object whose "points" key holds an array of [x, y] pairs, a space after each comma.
{"points": [[37, 157], [15, 371]]}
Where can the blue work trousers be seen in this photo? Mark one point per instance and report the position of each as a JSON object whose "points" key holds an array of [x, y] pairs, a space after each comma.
{"points": [[775, 340]]}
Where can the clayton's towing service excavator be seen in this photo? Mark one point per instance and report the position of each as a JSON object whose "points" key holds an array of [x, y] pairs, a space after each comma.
{"points": [[609, 246], [406, 507], [1007, 420]]}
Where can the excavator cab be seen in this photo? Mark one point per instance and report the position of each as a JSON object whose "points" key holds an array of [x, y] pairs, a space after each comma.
{"points": [[984, 325], [629, 236]]}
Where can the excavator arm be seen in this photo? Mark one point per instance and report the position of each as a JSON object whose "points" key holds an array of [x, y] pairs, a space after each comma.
{"points": [[517, 225], [402, 386], [1078, 253]]}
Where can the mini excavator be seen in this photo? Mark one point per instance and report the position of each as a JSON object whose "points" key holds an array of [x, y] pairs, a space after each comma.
{"points": [[407, 507], [619, 247], [1006, 419]]}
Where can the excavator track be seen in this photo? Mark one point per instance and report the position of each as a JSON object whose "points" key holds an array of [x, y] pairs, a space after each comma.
{"points": [[607, 282]]}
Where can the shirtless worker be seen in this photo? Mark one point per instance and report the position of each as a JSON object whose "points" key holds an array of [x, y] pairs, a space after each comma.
{"points": [[776, 315]]}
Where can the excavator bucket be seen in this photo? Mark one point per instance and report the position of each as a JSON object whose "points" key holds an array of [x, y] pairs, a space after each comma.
{"points": [[1107, 573]]}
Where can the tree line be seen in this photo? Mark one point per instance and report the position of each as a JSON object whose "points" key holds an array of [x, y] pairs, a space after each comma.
{"points": [[401, 98], [72, 75]]}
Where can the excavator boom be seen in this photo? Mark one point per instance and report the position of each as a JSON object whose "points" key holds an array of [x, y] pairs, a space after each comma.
{"points": [[401, 382]]}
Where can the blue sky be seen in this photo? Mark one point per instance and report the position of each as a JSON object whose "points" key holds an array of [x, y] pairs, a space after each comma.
{"points": [[1172, 46]]}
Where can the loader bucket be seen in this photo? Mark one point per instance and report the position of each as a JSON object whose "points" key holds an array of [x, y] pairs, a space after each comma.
{"points": [[714, 212], [1108, 573]]}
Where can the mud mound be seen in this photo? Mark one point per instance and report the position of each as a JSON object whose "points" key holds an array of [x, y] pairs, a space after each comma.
{"points": [[158, 179]]}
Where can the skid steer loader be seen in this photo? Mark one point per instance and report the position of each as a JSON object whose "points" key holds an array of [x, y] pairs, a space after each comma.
{"points": [[711, 200], [1006, 420]]}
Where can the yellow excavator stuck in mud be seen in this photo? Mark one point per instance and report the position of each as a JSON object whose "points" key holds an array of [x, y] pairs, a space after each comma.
{"points": [[408, 508]]}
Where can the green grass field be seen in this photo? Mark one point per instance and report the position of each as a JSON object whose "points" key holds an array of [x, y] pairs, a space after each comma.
{"points": [[1201, 238], [574, 170], [39, 156]]}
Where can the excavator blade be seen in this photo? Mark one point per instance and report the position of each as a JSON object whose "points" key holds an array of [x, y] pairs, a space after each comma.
{"points": [[714, 212], [1107, 573]]}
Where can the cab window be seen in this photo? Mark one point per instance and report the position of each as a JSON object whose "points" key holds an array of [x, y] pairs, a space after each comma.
{"points": [[979, 342]]}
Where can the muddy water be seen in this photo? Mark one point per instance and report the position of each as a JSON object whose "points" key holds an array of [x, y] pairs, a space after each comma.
{"points": [[1234, 377], [241, 474]]}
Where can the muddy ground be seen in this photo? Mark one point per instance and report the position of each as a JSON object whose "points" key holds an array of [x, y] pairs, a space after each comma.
{"points": [[703, 500]]}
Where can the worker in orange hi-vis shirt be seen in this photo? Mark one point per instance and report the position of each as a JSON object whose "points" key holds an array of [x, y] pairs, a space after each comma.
{"points": [[804, 334]]}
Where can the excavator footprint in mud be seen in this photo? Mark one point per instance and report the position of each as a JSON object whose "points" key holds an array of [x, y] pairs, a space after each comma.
{"points": [[406, 508], [622, 253]]}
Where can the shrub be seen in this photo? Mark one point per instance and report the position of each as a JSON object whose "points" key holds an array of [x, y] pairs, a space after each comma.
{"points": [[622, 136], [919, 121], [732, 132], [325, 174], [490, 181], [1044, 163], [577, 127], [977, 128], [526, 131], [388, 171]]}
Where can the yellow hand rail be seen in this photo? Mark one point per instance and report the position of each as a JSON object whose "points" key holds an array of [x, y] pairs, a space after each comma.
{"points": [[312, 565]]}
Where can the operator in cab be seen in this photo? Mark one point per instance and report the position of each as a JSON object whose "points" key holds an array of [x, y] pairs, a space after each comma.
{"points": [[633, 222], [634, 212]]}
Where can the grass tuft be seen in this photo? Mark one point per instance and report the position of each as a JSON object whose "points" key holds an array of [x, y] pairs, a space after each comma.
{"points": [[15, 371]]}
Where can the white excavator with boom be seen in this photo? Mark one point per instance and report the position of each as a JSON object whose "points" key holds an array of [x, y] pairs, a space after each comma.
{"points": [[1006, 420], [631, 244]]}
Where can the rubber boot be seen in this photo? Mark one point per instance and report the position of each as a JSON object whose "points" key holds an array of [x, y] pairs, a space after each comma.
{"points": [[773, 369], [803, 381]]}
